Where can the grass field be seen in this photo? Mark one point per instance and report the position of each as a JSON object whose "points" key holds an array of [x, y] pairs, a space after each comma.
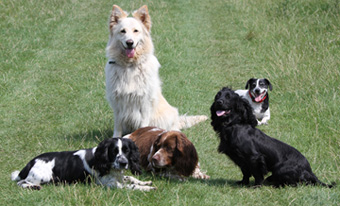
{"points": [[52, 90]]}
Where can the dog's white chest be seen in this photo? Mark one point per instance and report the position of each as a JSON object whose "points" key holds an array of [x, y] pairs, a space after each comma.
{"points": [[136, 80]]}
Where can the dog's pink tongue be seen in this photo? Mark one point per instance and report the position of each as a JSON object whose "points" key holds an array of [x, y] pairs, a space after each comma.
{"points": [[220, 113], [130, 53], [258, 98]]}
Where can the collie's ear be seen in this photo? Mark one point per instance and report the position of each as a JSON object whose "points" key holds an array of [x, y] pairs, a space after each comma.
{"points": [[116, 14], [143, 15], [187, 160]]}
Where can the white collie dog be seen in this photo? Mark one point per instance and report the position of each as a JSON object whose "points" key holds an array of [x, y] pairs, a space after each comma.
{"points": [[133, 86]]}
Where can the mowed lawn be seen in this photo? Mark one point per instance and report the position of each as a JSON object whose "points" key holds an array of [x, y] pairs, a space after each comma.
{"points": [[52, 90]]}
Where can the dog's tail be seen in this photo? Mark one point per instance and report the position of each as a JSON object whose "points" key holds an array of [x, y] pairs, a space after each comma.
{"points": [[325, 185], [189, 121], [15, 176]]}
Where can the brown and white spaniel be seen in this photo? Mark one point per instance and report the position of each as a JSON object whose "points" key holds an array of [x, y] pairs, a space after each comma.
{"points": [[168, 153]]}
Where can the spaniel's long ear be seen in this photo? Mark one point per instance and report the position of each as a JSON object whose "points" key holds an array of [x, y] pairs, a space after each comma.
{"points": [[187, 158], [143, 15], [246, 111], [215, 123], [134, 157], [116, 14], [102, 162]]}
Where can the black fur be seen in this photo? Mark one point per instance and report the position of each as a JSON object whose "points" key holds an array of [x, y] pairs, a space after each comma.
{"points": [[252, 150], [77, 166], [106, 153]]}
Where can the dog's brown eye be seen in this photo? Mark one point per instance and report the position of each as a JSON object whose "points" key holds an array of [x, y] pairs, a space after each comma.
{"points": [[135, 31], [123, 31]]}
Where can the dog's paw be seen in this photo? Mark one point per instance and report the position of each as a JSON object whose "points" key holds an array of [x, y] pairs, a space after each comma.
{"points": [[200, 175], [242, 182], [150, 189], [147, 183]]}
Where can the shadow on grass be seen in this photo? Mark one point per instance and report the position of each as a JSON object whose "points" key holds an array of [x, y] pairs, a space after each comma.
{"points": [[92, 136], [218, 182]]}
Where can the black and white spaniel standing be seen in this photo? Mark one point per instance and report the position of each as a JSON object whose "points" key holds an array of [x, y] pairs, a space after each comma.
{"points": [[105, 163], [252, 150]]}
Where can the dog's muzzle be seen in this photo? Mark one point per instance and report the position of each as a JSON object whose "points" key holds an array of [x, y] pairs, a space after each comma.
{"points": [[121, 162]]}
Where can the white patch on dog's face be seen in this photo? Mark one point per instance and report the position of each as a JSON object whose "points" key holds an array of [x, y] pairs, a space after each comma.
{"points": [[129, 32], [120, 162]]}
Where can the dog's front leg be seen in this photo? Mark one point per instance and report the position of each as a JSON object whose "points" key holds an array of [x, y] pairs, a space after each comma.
{"points": [[129, 179], [266, 118], [118, 128], [137, 184], [246, 176]]}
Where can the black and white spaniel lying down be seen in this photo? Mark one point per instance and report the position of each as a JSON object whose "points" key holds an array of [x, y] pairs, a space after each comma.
{"points": [[252, 150], [105, 163]]}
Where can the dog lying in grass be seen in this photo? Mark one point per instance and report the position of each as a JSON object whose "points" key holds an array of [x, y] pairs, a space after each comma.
{"points": [[252, 150], [105, 164], [167, 153]]}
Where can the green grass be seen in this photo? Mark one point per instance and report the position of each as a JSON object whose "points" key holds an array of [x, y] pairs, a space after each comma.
{"points": [[52, 90]]}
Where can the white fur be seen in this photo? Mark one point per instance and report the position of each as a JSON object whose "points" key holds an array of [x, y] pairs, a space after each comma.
{"points": [[133, 86], [81, 154], [40, 173], [257, 107]]}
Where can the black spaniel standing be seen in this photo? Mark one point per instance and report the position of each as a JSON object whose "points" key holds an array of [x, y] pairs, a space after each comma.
{"points": [[252, 150]]}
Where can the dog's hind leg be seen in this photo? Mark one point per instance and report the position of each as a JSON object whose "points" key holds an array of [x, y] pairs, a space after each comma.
{"points": [[29, 185]]}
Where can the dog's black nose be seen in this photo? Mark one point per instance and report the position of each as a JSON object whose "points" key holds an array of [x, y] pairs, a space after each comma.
{"points": [[123, 164], [122, 161], [219, 102], [257, 91], [129, 43]]}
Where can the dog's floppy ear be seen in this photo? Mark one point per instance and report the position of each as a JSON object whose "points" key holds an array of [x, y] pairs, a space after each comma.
{"points": [[269, 84], [143, 15], [246, 111], [134, 157], [186, 162], [102, 162], [116, 14], [249, 82]]}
